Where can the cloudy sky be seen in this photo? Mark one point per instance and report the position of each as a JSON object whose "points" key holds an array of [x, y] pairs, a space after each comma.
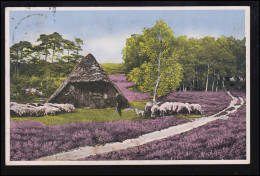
{"points": [[104, 32]]}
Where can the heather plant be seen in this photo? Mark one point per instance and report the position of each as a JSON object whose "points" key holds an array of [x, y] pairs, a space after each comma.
{"points": [[121, 82], [31, 140], [220, 139]]}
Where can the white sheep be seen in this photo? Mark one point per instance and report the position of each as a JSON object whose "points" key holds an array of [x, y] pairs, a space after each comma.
{"points": [[155, 110], [139, 112], [197, 109], [13, 103], [70, 106], [165, 109], [174, 107], [189, 107], [52, 111], [147, 108], [183, 109]]}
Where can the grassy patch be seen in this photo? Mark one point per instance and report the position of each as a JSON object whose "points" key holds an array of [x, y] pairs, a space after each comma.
{"points": [[83, 115], [97, 115], [88, 115], [113, 68], [134, 88], [188, 116], [139, 104]]}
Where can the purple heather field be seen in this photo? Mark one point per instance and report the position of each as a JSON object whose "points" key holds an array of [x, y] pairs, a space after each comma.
{"points": [[31, 140], [121, 82], [220, 139]]}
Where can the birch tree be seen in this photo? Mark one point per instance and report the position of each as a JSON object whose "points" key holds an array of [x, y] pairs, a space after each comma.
{"points": [[162, 73]]}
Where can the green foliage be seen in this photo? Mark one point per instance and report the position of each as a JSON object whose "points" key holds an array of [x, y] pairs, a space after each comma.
{"points": [[162, 66], [139, 104], [31, 67], [199, 59], [133, 57], [113, 68]]}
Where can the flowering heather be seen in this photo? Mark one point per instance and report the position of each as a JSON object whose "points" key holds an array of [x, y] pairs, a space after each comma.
{"points": [[31, 140], [211, 102], [220, 139], [121, 82]]}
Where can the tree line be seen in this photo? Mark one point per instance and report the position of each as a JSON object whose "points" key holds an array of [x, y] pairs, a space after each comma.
{"points": [[160, 63], [43, 66]]}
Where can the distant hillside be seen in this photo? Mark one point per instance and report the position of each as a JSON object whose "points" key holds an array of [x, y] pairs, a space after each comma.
{"points": [[113, 68]]}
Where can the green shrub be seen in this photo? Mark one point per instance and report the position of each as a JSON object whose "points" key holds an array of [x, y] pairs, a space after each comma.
{"points": [[113, 68]]}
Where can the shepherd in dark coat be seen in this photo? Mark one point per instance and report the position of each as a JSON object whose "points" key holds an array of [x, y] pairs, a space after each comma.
{"points": [[119, 103]]}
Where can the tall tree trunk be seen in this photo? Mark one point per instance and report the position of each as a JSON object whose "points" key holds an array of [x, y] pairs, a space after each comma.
{"points": [[223, 83], [159, 77], [217, 85], [179, 86], [213, 81], [46, 52], [47, 83], [53, 49], [68, 55], [191, 82], [207, 80]]}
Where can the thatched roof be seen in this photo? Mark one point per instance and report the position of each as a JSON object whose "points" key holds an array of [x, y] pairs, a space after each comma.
{"points": [[87, 70]]}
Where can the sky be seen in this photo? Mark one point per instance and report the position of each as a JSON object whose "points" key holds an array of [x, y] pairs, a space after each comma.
{"points": [[104, 32]]}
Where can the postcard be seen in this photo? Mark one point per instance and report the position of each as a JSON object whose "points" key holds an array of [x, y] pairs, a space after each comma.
{"points": [[127, 85]]}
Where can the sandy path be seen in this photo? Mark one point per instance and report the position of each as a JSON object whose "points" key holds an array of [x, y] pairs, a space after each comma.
{"points": [[86, 151]]}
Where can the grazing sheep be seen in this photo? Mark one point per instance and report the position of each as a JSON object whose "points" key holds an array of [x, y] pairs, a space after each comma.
{"points": [[13, 103], [197, 109], [183, 109], [173, 107], [155, 111], [63, 107], [37, 109], [40, 111], [147, 108], [52, 111], [139, 112], [70, 106], [165, 109], [188, 107], [35, 104]]}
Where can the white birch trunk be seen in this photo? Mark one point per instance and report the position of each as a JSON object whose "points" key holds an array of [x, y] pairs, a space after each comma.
{"points": [[158, 79], [157, 83], [159, 62], [192, 82], [217, 85], [207, 80], [213, 84], [223, 83]]}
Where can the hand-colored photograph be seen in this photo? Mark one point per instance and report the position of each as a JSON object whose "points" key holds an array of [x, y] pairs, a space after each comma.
{"points": [[127, 85]]}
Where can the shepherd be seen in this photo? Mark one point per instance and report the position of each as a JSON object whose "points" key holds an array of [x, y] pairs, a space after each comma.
{"points": [[119, 103]]}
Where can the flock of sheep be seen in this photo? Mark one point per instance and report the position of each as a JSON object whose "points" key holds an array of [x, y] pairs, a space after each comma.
{"points": [[151, 109], [169, 108], [37, 109]]}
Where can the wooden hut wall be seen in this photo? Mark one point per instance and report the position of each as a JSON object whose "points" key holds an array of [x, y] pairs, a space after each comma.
{"points": [[92, 95]]}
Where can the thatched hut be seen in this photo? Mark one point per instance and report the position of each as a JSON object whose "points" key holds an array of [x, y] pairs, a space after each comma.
{"points": [[87, 86]]}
